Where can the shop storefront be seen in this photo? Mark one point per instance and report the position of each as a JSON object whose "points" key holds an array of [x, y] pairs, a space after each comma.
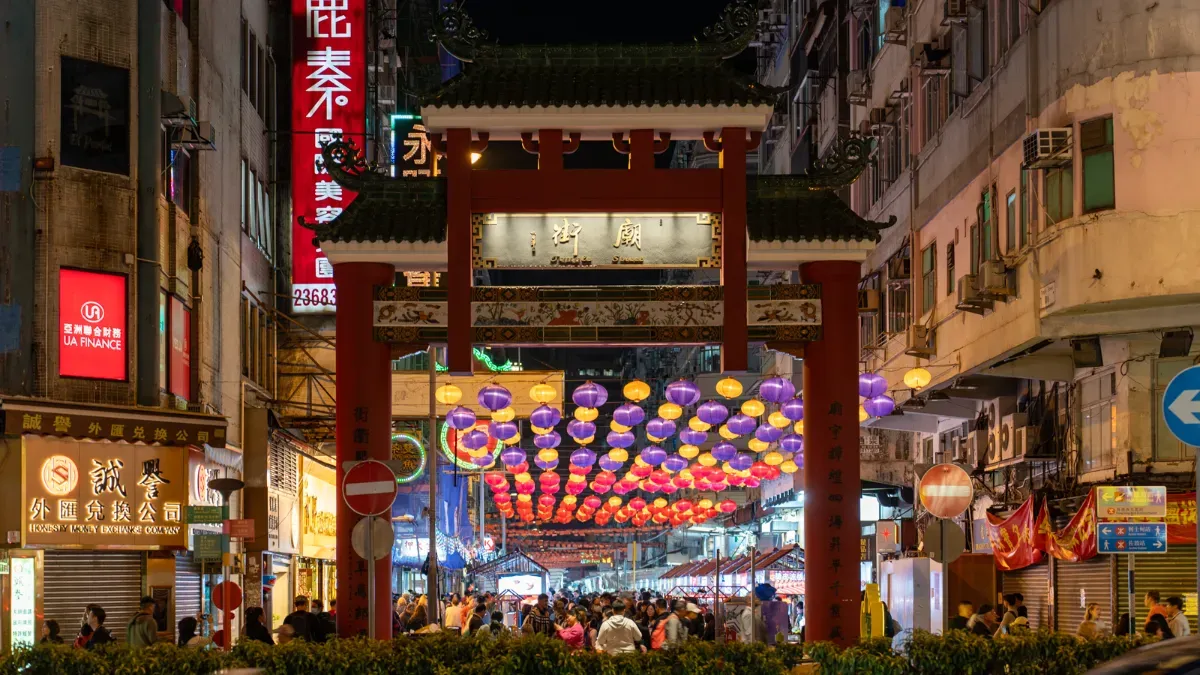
{"points": [[98, 497], [195, 578], [316, 571], [272, 496]]}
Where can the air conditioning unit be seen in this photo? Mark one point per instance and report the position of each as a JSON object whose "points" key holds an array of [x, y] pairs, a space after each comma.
{"points": [[900, 269], [955, 12], [893, 20], [1047, 148], [975, 448], [994, 448], [858, 87], [1023, 440], [1008, 435], [969, 298], [868, 300], [920, 341], [996, 280]]}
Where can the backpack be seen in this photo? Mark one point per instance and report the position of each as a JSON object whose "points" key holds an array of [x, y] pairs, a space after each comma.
{"points": [[659, 636]]}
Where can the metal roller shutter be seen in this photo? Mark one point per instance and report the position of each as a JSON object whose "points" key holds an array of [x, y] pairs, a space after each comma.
{"points": [[1079, 584], [189, 589], [1034, 583], [75, 579], [1170, 573]]}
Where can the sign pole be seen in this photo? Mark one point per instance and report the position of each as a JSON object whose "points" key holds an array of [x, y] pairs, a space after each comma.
{"points": [[371, 577], [431, 579], [1132, 596]]}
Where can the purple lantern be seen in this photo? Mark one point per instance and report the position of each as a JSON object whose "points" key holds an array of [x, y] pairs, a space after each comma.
{"points": [[474, 439], [724, 451], [547, 441], [741, 424], [512, 456], [741, 461], [693, 437], [660, 428], [483, 462], [578, 429], [792, 443], [653, 455], [620, 439], [609, 464], [776, 389], [544, 465], [460, 418], [871, 385], [711, 412], [545, 417], [583, 457], [793, 409], [675, 463], [589, 395], [494, 397], [879, 406], [629, 415], [503, 430], [767, 433], [683, 392]]}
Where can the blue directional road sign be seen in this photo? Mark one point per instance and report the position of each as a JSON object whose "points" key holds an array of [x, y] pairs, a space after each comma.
{"points": [[1181, 406], [1132, 537]]}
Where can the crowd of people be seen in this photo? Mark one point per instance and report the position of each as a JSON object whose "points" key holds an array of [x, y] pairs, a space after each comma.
{"points": [[607, 622], [1163, 620]]}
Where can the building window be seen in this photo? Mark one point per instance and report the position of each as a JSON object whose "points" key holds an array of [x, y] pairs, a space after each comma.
{"points": [[245, 50], [245, 206], [1096, 144], [950, 268], [897, 308], [258, 344], [1060, 195], [977, 43], [252, 69], [1010, 222], [928, 278], [973, 263], [1098, 422], [1167, 448], [935, 90], [1024, 208]]}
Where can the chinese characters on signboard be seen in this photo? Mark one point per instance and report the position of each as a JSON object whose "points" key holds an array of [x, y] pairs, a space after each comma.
{"points": [[94, 116], [83, 493], [412, 151], [92, 324], [329, 99], [180, 366], [23, 620], [596, 240]]}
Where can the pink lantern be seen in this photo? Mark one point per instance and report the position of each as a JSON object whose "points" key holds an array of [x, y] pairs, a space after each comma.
{"points": [[546, 500]]}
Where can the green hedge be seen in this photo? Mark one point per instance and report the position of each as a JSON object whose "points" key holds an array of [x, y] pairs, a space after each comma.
{"points": [[956, 654], [959, 653]]}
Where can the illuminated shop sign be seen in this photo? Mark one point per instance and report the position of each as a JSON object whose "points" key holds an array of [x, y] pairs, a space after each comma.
{"points": [[329, 69], [84, 493], [92, 324]]}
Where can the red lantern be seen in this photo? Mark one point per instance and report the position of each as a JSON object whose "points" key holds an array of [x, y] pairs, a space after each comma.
{"points": [[683, 505], [515, 469], [637, 503], [546, 500], [494, 478], [502, 497], [592, 502], [606, 478], [600, 488], [727, 506], [641, 471], [659, 477], [579, 470]]}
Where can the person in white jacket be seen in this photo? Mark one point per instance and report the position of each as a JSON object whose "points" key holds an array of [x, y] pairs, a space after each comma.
{"points": [[618, 633]]}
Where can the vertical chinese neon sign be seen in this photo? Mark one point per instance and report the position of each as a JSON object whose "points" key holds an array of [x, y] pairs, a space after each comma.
{"points": [[328, 98]]}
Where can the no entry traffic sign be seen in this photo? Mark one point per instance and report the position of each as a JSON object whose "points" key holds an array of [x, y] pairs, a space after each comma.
{"points": [[946, 490], [369, 488]]}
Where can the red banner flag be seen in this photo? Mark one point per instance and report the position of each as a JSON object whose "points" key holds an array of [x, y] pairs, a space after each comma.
{"points": [[1181, 518], [1076, 541], [1012, 539]]}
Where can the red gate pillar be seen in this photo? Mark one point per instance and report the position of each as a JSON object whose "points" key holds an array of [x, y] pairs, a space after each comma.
{"points": [[832, 487], [363, 418], [457, 168], [734, 357]]}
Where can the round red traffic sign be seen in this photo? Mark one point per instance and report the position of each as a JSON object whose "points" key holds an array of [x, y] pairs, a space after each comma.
{"points": [[235, 595], [946, 490], [369, 488]]}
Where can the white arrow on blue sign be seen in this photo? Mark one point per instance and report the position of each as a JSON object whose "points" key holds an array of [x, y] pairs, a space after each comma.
{"points": [[1132, 538], [1181, 406]]}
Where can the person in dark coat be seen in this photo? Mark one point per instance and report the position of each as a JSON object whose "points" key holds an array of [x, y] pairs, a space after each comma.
{"points": [[256, 628], [325, 620], [100, 635], [304, 622]]}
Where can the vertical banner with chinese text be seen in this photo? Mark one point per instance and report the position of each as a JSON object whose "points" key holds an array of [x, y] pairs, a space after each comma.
{"points": [[328, 98], [1013, 539]]}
